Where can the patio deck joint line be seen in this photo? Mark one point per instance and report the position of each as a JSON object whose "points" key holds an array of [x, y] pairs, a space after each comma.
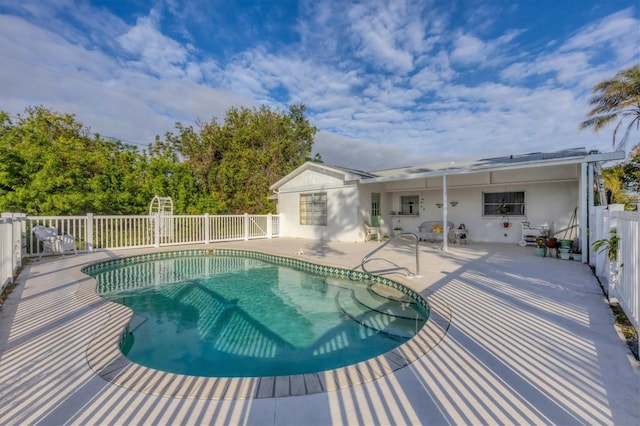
{"points": [[106, 360]]}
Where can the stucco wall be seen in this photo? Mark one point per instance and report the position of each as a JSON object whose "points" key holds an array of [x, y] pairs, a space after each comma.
{"points": [[342, 216], [545, 204], [551, 197], [343, 222]]}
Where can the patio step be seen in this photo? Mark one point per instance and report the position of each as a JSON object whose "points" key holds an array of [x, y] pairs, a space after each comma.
{"points": [[380, 321]]}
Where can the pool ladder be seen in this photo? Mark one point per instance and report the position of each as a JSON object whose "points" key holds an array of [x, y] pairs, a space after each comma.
{"points": [[368, 258]]}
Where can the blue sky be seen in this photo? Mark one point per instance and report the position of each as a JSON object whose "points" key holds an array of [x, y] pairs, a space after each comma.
{"points": [[387, 83]]}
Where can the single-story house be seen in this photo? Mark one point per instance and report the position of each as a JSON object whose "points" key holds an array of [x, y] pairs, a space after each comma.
{"points": [[492, 197]]}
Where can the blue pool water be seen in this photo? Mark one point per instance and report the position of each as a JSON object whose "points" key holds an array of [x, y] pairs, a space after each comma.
{"points": [[236, 316]]}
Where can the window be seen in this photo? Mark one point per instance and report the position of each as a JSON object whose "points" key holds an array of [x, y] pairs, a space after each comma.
{"points": [[409, 204], [313, 209], [503, 204]]}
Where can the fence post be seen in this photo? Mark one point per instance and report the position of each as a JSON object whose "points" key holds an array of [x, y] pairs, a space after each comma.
{"points": [[206, 228], [22, 236], [17, 235], [269, 225], [6, 251], [246, 226], [88, 233]]}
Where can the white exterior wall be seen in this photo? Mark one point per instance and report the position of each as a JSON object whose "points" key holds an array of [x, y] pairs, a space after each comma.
{"points": [[343, 222], [551, 196], [364, 203], [546, 202]]}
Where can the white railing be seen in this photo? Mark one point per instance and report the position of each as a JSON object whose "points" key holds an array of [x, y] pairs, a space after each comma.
{"points": [[11, 253], [621, 278], [99, 232]]}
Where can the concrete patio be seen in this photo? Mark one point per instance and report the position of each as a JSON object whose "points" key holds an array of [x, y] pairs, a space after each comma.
{"points": [[531, 341]]}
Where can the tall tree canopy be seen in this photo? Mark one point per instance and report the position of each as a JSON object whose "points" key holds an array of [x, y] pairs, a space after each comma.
{"points": [[50, 164], [617, 98], [236, 162]]}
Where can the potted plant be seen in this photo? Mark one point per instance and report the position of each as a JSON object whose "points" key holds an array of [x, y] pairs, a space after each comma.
{"points": [[541, 248], [504, 211], [610, 246], [397, 230]]}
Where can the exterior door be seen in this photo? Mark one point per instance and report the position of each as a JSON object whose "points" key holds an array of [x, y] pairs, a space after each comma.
{"points": [[375, 209]]}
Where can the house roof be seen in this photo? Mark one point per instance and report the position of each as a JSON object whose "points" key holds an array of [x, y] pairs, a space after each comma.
{"points": [[486, 163], [514, 161]]}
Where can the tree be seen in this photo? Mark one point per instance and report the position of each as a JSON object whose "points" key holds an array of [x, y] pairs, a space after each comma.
{"points": [[165, 175], [616, 98], [631, 172], [236, 162], [50, 164], [622, 181]]}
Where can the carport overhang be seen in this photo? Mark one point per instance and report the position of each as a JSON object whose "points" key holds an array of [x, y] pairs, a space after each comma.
{"points": [[588, 163]]}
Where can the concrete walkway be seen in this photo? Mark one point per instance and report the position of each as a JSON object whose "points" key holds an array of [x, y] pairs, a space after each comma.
{"points": [[531, 341]]}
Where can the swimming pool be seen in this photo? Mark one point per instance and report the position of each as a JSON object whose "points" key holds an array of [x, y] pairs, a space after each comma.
{"points": [[213, 314]]}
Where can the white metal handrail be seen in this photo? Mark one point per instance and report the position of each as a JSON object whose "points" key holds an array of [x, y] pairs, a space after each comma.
{"points": [[368, 258]]}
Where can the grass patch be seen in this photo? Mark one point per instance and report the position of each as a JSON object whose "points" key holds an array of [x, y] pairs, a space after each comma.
{"points": [[6, 291], [9, 288], [625, 326]]}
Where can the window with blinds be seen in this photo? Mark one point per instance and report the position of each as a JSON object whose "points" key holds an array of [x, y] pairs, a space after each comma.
{"points": [[503, 204]]}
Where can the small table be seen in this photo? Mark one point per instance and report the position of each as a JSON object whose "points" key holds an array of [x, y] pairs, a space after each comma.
{"points": [[460, 235]]}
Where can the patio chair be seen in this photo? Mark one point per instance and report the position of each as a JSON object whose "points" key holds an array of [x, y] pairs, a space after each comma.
{"points": [[52, 242], [371, 231]]}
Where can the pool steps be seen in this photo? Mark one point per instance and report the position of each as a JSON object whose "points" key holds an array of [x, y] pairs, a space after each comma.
{"points": [[391, 313]]}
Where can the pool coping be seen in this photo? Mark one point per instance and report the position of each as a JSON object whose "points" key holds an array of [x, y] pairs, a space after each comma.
{"points": [[106, 360]]}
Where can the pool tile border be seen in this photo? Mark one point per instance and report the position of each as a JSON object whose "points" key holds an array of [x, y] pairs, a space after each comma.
{"points": [[105, 358]]}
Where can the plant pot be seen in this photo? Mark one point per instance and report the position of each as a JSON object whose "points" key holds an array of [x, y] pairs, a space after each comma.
{"points": [[505, 224], [565, 243], [541, 251], [564, 255], [552, 242]]}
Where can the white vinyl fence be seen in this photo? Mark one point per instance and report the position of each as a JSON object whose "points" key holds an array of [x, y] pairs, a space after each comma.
{"points": [[621, 278], [95, 232], [11, 253]]}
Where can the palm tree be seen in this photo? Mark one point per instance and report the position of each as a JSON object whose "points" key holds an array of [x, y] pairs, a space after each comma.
{"points": [[618, 97]]}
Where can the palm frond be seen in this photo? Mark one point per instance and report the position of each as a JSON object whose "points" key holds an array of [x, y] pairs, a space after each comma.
{"points": [[615, 98]]}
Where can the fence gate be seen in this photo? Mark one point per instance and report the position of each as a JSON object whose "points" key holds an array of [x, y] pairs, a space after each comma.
{"points": [[162, 208]]}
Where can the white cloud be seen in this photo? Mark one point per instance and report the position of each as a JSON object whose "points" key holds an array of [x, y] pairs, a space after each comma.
{"points": [[42, 68], [469, 50], [386, 34], [578, 61], [134, 82], [362, 155], [153, 51]]}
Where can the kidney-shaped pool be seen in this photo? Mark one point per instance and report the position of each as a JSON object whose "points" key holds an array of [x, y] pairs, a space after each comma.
{"points": [[232, 313]]}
